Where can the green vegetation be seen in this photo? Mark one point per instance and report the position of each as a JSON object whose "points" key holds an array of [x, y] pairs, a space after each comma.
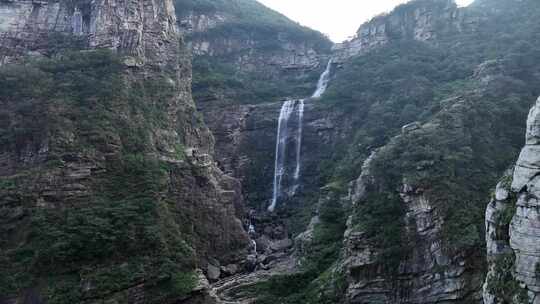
{"points": [[380, 217], [504, 218], [123, 232], [250, 18], [502, 284], [213, 76], [319, 281], [472, 129], [238, 70], [305, 287]]}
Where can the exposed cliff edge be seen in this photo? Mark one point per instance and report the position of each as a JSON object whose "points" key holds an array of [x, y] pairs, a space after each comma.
{"points": [[512, 227], [108, 187], [423, 21]]}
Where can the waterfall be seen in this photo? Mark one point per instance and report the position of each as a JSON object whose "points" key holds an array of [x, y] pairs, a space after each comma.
{"points": [[323, 81], [283, 134], [299, 144], [281, 145]]}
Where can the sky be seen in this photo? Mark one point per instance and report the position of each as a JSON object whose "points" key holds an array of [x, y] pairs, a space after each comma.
{"points": [[339, 19]]}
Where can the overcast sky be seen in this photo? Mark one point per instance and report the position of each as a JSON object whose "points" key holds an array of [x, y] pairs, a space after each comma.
{"points": [[337, 18]]}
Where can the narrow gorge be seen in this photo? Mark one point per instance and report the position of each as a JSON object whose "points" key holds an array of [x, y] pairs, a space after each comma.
{"points": [[217, 152]]}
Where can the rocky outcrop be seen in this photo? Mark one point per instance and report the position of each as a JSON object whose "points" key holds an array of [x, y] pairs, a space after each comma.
{"points": [[513, 227], [192, 22], [419, 20], [144, 32], [196, 204], [428, 273], [525, 226]]}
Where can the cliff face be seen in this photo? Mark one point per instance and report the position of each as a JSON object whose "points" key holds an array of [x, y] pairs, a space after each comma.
{"points": [[413, 263], [524, 233], [292, 56], [424, 21], [512, 228], [109, 187], [246, 139], [145, 31]]}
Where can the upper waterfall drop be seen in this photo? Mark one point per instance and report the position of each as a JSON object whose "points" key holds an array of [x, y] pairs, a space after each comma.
{"points": [[322, 84], [282, 137], [299, 141]]}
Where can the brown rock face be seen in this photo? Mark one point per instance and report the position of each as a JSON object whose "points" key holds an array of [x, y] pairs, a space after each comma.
{"points": [[62, 165]]}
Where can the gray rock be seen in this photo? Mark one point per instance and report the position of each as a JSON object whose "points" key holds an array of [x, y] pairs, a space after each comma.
{"points": [[410, 127], [422, 271], [263, 243], [213, 272], [230, 269], [524, 229], [422, 23], [281, 245]]}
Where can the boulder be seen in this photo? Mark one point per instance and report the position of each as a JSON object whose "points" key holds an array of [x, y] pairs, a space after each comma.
{"points": [[213, 272]]}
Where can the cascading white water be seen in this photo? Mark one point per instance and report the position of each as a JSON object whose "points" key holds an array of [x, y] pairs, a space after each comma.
{"points": [[283, 134], [299, 144], [281, 148], [322, 85], [254, 245]]}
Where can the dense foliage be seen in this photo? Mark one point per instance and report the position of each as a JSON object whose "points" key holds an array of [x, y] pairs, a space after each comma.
{"points": [[124, 232]]}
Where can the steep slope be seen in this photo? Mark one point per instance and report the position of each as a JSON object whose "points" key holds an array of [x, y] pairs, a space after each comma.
{"points": [[109, 191]]}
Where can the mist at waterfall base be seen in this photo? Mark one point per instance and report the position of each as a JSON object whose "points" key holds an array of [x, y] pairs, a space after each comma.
{"points": [[285, 133]]}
